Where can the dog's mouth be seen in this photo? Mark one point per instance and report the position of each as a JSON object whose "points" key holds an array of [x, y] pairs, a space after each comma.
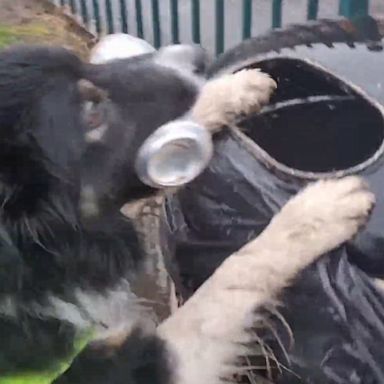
{"points": [[315, 122]]}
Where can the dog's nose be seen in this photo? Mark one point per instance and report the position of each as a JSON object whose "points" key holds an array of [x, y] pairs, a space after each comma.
{"points": [[186, 57]]}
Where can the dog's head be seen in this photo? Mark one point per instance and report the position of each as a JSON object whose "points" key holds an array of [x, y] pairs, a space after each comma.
{"points": [[85, 123], [69, 137]]}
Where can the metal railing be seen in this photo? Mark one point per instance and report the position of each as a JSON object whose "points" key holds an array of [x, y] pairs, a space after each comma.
{"points": [[174, 21]]}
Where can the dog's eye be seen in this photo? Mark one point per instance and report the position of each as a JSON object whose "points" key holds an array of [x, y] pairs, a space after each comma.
{"points": [[94, 101], [94, 115], [95, 107]]}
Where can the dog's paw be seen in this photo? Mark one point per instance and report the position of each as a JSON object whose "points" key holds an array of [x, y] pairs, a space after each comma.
{"points": [[250, 90], [323, 216], [225, 99]]}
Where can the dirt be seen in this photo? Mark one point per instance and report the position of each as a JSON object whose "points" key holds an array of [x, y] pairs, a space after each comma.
{"points": [[38, 21]]}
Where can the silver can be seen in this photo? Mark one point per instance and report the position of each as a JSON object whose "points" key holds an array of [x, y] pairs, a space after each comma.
{"points": [[175, 154]]}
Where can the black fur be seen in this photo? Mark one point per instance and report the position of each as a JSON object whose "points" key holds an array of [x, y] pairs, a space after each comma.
{"points": [[141, 359], [48, 246]]}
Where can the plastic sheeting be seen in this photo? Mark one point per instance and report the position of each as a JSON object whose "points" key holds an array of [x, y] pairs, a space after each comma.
{"points": [[335, 310]]}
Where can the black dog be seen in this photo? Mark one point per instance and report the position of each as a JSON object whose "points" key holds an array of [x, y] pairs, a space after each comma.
{"points": [[64, 243], [69, 135]]}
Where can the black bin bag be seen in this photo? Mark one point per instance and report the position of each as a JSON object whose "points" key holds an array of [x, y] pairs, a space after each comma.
{"points": [[326, 119]]}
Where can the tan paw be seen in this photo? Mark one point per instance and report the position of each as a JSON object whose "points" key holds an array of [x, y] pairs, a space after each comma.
{"points": [[224, 100], [324, 215], [250, 90]]}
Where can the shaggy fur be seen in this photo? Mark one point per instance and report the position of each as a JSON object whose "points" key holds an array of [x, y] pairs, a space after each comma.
{"points": [[211, 331], [69, 136], [68, 258]]}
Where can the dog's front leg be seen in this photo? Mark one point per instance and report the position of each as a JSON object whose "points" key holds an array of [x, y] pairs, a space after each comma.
{"points": [[208, 333], [227, 98]]}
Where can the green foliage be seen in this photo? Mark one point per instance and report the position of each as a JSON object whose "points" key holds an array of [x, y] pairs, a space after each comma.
{"points": [[22, 33]]}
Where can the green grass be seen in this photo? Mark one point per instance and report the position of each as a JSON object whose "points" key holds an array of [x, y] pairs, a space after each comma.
{"points": [[23, 33], [47, 29], [7, 36]]}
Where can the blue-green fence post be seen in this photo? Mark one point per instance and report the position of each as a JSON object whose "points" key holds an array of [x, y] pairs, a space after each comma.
{"points": [[109, 14], [96, 13], [84, 11], [156, 23], [354, 8], [123, 16], [276, 13], [72, 5], [175, 21], [220, 24], [139, 18], [196, 28], [247, 19], [312, 9]]}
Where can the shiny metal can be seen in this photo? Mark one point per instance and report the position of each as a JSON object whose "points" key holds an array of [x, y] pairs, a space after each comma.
{"points": [[175, 154]]}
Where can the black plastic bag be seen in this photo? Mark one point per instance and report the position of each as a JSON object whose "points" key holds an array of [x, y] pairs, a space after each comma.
{"points": [[326, 119]]}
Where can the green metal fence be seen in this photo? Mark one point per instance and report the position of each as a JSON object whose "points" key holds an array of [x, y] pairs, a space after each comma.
{"points": [[148, 18]]}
